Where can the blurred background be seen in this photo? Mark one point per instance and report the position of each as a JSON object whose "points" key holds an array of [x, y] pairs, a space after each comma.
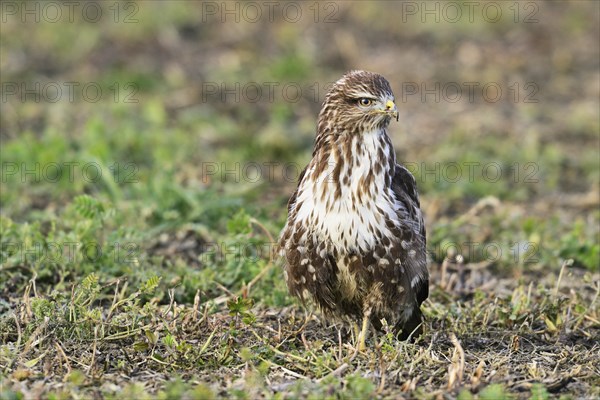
{"points": [[148, 150], [175, 127]]}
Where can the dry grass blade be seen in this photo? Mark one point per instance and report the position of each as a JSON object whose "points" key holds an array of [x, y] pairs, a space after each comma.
{"points": [[457, 367], [268, 266]]}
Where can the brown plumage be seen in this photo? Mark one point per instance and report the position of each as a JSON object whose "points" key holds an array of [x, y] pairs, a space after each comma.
{"points": [[354, 241]]}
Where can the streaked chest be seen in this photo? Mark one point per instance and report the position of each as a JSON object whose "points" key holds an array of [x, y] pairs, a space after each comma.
{"points": [[346, 198]]}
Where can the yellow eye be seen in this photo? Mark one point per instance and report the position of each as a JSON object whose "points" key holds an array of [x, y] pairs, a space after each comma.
{"points": [[365, 102]]}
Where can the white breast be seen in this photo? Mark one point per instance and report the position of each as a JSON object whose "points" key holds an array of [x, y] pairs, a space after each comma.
{"points": [[333, 219]]}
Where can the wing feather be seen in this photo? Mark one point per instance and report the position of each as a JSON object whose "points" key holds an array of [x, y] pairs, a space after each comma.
{"points": [[404, 186]]}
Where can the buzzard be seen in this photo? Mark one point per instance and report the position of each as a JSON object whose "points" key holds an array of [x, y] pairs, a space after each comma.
{"points": [[354, 241]]}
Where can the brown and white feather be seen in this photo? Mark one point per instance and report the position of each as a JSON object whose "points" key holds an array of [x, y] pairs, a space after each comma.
{"points": [[354, 241]]}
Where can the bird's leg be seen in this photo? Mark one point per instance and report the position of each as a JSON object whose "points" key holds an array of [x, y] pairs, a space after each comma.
{"points": [[362, 336]]}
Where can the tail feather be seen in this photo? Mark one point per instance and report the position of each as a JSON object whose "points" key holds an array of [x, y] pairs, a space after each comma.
{"points": [[412, 328]]}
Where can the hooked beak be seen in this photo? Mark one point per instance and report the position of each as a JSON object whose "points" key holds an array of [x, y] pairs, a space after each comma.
{"points": [[390, 108]]}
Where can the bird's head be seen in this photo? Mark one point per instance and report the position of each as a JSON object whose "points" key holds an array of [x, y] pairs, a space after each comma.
{"points": [[359, 101]]}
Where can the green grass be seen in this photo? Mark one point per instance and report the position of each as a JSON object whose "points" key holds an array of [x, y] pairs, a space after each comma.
{"points": [[136, 249]]}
